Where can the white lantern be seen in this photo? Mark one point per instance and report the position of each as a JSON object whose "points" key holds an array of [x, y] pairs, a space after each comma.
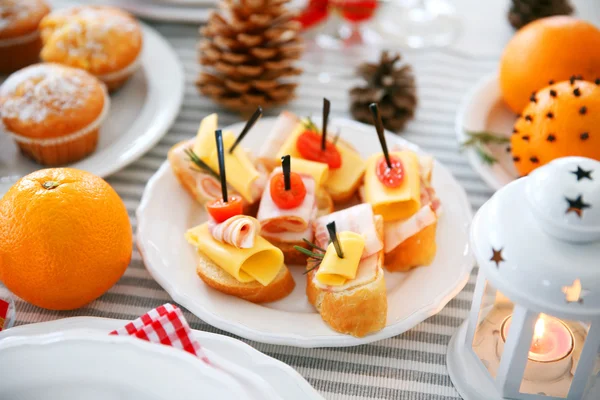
{"points": [[534, 327]]}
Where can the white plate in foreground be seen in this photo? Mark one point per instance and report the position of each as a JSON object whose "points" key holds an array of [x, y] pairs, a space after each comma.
{"points": [[484, 110], [141, 112], [283, 380], [167, 211], [75, 365]]}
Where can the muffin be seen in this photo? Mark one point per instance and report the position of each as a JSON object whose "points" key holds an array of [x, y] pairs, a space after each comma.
{"points": [[20, 41], [53, 112], [104, 41]]}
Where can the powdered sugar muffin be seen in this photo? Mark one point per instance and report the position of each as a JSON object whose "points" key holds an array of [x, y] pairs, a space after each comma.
{"points": [[104, 41], [53, 112], [20, 42]]}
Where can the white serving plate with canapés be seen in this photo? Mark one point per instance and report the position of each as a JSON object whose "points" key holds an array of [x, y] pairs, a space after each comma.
{"points": [[87, 363], [140, 113], [167, 211]]}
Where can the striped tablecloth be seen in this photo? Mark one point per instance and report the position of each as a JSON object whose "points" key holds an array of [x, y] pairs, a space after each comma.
{"points": [[409, 366]]}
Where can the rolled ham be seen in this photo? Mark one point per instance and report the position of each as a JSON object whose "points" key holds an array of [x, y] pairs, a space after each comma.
{"points": [[358, 219], [239, 231], [274, 220], [207, 185], [283, 127]]}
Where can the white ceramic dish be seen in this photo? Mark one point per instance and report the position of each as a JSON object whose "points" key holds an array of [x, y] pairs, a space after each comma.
{"points": [[141, 113], [72, 365], [190, 11], [283, 380], [167, 211], [484, 110]]}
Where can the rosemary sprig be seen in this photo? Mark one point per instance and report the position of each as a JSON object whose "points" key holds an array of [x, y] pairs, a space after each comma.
{"points": [[486, 157], [199, 163], [314, 246], [477, 140], [314, 257], [309, 253], [310, 125]]}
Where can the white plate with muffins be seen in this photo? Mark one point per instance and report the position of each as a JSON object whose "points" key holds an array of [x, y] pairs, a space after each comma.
{"points": [[97, 101]]}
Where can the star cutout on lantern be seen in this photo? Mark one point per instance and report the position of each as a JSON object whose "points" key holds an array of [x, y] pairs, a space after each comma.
{"points": [[577, 206], [497, 257], [582, 174], [574, 293]]}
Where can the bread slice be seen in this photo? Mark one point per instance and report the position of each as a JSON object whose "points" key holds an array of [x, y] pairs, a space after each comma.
{"points": [[358, 311], [291, 255], [418, 250], [187, 177], [218, 279]]}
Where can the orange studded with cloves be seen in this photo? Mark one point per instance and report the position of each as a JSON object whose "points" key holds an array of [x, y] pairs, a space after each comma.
{"points": [[562, 119]]}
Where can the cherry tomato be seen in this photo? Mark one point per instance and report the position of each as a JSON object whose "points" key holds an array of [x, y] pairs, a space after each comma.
{"points": [[286, 199], [390, 177], [309, 147], [221, 211], [356, 10]]}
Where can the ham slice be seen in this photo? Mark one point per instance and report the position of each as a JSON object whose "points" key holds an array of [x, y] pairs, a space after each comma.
{"points": [[239, 231], [396, 232], [274, 220], [357, 219], [284, 126]]}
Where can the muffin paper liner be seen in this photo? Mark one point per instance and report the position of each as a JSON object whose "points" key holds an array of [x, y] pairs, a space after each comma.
{"points": [[66, 138], [30, 37], [122, 73]]}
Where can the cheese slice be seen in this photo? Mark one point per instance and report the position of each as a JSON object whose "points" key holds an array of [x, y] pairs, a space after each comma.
{"points": [[318, 171], [204, 144], [260, 263], [344, 179], [336, 271], [394, 203], [339, 181], [289, 146], [239, 170]]}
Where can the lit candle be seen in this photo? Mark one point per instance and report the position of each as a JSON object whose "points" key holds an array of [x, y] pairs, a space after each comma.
{"points": [[551, 348], [552, 339]]}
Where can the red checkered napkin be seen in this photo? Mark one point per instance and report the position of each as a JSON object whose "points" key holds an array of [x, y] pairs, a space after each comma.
{"points": [[4, 306], [166, 325]]}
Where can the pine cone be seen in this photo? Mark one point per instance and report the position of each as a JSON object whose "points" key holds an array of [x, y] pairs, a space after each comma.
{"points": [[393, 88], [523, 12], [247, 54]]}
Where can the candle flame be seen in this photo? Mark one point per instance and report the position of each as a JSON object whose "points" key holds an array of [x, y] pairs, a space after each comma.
{"points": [[540, 328]]}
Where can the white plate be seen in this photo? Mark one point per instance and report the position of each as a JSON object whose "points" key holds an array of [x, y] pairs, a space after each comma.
{"points": [[281, 378], [74, 365], [167, 211], [484, 110], [141, 113], [192, 11]]}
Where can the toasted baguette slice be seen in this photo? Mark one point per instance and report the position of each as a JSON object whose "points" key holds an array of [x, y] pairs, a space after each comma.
{"points": [[187, 177], [418, 250], [291, 255], [218, 279], [358, 311]]}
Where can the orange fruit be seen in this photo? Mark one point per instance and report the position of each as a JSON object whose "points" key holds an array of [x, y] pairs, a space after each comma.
{"points": [[549, 49], [561, 120], [65, 238]]}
